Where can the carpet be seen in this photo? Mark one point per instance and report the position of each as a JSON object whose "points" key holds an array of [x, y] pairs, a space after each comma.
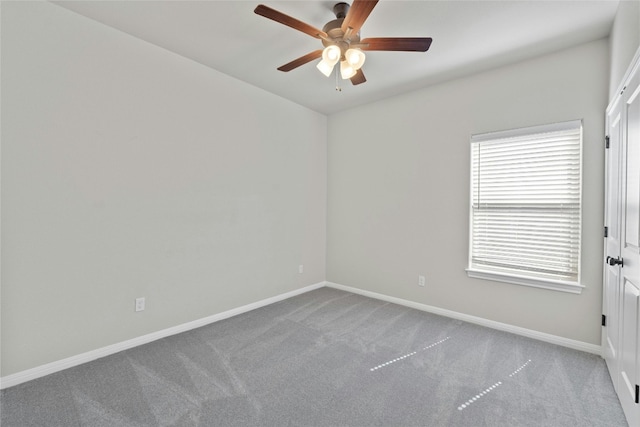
{"points": [[327, 358]]}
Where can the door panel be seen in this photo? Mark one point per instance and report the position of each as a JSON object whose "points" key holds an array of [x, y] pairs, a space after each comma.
{"points": [[629, 355], [611, 304], [611, 285], [621, 281], [629, 351], [632, 193]]}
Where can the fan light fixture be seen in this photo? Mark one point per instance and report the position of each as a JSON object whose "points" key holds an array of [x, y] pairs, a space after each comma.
{"points": [[353, 60], [341, 39], [330, 56]]}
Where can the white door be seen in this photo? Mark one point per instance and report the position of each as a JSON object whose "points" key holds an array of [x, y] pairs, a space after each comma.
{"points": [[629, 353], [611, 279]]}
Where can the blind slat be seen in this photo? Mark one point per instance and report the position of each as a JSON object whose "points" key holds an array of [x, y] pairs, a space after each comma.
{"points": [[526, 204]]}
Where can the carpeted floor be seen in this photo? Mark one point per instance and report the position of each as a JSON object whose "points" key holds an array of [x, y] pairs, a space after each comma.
{"points": [[327, 358]]}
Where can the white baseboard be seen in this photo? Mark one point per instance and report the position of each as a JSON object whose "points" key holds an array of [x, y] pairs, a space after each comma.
{"points": [[57, 366], [50, 368], [541, 336]]}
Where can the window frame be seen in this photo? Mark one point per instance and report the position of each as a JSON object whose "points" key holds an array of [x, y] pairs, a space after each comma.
{"points": [[513, 277]]}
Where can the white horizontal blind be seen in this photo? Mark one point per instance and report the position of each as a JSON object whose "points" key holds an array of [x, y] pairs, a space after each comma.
{"points": [[526, 202]]}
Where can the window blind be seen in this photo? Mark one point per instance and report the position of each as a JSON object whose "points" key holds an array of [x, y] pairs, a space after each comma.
{"points": [[526, 202]]}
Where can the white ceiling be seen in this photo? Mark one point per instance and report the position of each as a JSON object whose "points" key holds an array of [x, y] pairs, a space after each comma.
{"points": [[468, 37]]}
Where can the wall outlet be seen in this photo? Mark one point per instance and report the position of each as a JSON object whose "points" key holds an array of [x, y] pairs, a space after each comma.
{"points": [[301, 269], [421, 281], [139, 304]]}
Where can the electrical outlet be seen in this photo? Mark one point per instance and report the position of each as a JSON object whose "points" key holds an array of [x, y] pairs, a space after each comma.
{"points": [[140, 304], [421, 281], [301, 269]]}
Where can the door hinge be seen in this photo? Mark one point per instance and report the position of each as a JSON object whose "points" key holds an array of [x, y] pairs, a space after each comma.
{"points": [[606, 141], [606, 231], [604, 320], [637, 393]]}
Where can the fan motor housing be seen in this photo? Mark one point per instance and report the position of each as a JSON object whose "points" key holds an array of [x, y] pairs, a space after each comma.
{"points": [[336, 35]]}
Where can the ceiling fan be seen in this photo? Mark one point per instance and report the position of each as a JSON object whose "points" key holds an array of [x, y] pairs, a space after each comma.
{"points": [[341, 40]]}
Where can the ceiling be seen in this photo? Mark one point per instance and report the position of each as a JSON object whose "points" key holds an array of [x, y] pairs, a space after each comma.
{"points": [[468, 37]]}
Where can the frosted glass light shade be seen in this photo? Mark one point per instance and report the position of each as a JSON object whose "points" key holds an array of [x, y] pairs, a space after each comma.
{"points": [[330, 56], [346, 70], [355, 58], [325, 67]]}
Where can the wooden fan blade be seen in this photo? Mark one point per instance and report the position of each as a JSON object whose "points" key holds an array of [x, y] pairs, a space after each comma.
{"points": [[357, 14], [406, 44], [358, 78], [301, 61], [287, 20]]}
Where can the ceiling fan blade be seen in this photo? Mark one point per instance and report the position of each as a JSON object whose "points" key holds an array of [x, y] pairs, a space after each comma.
{"points": [[406, 44], [358, 78], [287, 20], [357, 14], [301, 61]]}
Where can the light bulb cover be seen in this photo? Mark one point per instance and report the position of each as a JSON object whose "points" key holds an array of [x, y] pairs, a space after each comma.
{"points": [[325, 67], [346, 70], [355, 58], [331, 54], [330, 57]]}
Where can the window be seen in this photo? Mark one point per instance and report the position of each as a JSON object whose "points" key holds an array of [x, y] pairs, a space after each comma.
{"points": [[526, 207]]}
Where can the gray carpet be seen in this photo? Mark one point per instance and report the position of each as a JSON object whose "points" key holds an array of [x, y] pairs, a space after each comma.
{"points": [[327, 358]]}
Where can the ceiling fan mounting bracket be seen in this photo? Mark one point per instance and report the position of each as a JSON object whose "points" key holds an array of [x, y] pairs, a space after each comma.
{"points": [[341, 9]]}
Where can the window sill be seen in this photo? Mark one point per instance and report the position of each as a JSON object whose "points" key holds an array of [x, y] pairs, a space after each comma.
{"points": [[569, 287]]}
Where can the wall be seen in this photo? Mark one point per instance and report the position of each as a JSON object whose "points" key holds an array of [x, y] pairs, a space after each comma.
{"points": [[398, 185], [624, 41], [128, 171]]}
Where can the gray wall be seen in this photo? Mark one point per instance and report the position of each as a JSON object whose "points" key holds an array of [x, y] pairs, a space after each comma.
{"points": [[128, 171], [624, 41], [398, 189]]}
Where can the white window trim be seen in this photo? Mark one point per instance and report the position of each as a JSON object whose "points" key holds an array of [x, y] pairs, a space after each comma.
{"points": [[570, 287], [513, 278], [511, 133]]}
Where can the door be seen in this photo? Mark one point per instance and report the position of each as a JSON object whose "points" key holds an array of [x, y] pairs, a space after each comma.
{"points": [[629, 353], [611, 278]]}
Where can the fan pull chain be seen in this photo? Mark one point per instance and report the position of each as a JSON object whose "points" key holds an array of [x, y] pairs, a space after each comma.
{"points": [[338, 88]]}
